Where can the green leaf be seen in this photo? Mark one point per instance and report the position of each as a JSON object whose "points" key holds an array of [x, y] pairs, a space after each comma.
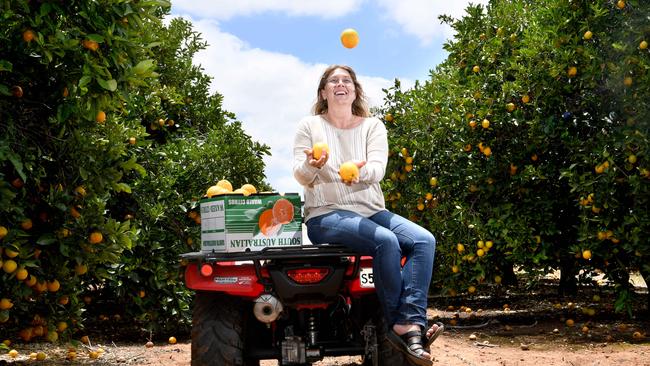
{"points": [[4, 90], [18, 165], [110, 85], [143, 67], [122, 187], [84, 81], [46, 239], [6, 65], [95, 37]]}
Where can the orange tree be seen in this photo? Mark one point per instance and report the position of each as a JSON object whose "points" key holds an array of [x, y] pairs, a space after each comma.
{"points": [[526, 148], [192, 144], [94, 189]]}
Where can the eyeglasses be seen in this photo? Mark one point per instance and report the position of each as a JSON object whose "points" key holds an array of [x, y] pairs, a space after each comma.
{"points": [[335, 81]]}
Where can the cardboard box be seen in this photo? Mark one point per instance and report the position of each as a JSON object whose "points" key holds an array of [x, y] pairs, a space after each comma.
{"points": [[237, 223]]}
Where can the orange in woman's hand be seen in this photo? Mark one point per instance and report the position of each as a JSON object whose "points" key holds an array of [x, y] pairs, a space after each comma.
{"points": [[319, 147], [349, 171]]}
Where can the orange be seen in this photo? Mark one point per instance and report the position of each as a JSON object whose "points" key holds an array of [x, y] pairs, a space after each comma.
{"points": [[53, 286], [172, 340], [90, 44], [620, 4], [21, 274], [283, 211], [569, 323], [349, 38], [510, 107], [389, 117], [27, 224], [476, 69], [472, 124], [318, 149], [17, 91], [643, 45], [349, 171], [81, 191], [267, 224], [80, 269], [485, 123], [74, 213], [132, 140], [214, 191], [627, 81], [31, 281], [28, 35], [525, 98], [249, 188], [586, 254], [587, 36], [5, 304], [100, 117], [11, 253], [9, 266], [3, 232], [225, 184], [96, 237], [487, 151], [572, 71]]}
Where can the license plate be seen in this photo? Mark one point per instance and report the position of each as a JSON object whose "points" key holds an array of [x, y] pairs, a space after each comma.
{"points": [[365, 278]]}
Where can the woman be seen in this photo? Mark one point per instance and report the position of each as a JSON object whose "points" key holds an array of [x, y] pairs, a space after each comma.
{"points": [[353, 213]]}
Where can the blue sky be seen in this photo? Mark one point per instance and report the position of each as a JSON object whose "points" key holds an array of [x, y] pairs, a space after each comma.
{"points": [[265, 57]]}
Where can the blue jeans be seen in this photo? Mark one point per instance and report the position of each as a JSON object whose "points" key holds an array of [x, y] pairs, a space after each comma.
{"points": [[387, 237]]}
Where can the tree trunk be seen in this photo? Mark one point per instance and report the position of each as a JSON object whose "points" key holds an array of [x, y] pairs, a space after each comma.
{"points": [[568, 281]]}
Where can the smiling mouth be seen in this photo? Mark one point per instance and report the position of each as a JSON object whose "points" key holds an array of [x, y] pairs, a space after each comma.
{"points": [[340, 92]]}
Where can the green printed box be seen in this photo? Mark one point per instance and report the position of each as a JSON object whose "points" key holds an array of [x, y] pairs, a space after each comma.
{"points": [[238, 223]]}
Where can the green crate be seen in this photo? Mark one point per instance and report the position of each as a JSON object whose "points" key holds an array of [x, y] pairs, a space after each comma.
{"points": [[237, 223]]}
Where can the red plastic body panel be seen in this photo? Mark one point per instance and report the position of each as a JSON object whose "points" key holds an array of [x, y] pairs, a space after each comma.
{"points": [[227, 277], [354, 285]]}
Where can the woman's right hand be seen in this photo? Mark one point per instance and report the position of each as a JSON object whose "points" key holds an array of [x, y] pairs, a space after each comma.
{"points": [[316, 163]]}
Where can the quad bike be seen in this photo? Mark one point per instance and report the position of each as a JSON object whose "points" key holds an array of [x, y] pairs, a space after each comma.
{"points": [[295, 305]]}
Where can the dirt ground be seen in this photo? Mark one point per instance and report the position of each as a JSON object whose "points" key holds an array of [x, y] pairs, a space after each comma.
{"points": [[529, 328], [492, 342], [454, 348]]}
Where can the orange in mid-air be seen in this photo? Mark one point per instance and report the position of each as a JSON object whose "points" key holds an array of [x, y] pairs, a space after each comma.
{"points": [[349, 38]]}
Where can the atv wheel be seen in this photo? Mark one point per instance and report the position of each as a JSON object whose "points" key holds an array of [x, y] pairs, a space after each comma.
{"points": [[218, 323], [386, 354]]}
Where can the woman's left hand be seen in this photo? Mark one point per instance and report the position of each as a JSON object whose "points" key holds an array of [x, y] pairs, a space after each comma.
{"points": [[359, 165]]}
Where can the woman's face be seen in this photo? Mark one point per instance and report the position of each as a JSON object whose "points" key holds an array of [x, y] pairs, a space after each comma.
{"points": [[339, 88]]}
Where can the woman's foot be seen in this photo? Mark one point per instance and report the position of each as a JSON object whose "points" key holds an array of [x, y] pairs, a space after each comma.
{"points": [[433, 333], [436, 327], [401, 329]]}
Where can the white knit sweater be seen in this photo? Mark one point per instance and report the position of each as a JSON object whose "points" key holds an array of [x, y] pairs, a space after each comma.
{"points": [[324, 190]]}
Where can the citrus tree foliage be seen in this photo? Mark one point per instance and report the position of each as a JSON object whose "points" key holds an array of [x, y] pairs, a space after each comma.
{"points": [[109, 135], [528, 147]]}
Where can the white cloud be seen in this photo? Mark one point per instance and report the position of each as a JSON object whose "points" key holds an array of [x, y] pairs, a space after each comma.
{"points": [[226, 9], [269, 92], [420, 17]]}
